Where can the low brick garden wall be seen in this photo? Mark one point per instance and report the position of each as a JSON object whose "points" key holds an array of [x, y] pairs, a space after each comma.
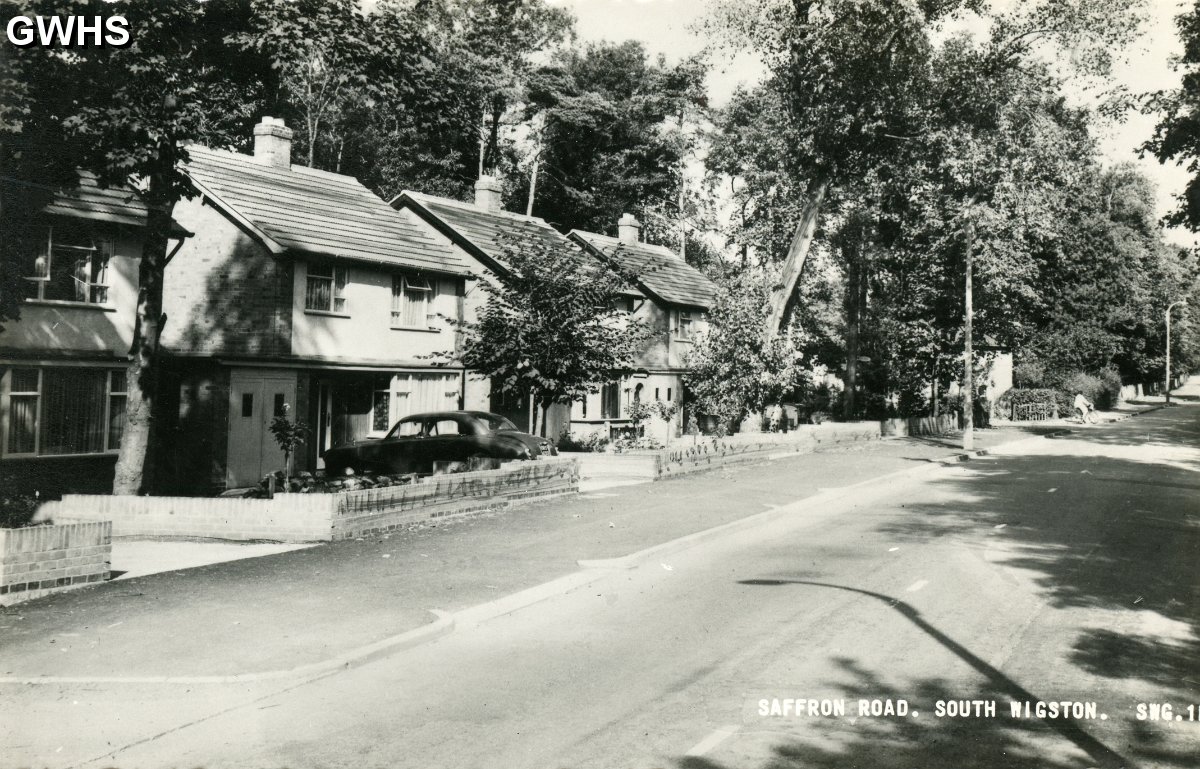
{"points": [[320, 517], [946, 423], [39, 560], [734, 449]]}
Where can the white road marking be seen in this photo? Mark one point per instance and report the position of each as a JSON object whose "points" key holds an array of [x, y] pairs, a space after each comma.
{"points": [[893, 549], [1000, 526], [713, 740], [914, 587], [1051, 491]]}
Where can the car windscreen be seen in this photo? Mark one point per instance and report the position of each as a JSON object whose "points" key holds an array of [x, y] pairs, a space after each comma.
{"points": [[497, 423]]}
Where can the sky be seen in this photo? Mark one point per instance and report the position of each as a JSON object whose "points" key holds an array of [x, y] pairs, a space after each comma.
{"points": [[667, 27]]}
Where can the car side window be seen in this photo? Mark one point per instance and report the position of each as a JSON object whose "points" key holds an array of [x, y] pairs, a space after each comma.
{"points": [[408, 429], [445, 427]]}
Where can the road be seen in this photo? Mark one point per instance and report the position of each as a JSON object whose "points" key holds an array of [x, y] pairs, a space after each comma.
{"points": [[1055, 570]]}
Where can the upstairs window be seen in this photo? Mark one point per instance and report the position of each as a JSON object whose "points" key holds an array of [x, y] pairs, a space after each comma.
{"points": [[685, 324], [326, 288], [412, 302], [72, 267]]}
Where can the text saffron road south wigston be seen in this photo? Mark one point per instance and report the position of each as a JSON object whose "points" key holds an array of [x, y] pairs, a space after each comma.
{"points": [[979, 708]]}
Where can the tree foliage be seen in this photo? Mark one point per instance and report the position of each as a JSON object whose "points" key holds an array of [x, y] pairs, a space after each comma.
{"points": [[736, 368], [550, 324]]}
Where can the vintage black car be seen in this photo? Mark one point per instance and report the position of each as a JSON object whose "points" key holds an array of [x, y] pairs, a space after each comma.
{"points": [[416, 442]]}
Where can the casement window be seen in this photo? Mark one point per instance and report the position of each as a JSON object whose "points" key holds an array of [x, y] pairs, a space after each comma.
{"points": [[412, 302], [72, 266], [686, 323], [64, 411], [610, 401], [326, 288], [623, 304]]}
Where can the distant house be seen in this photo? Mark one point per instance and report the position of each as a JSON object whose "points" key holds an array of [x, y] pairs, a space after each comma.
{"points": [[73, 259], [301, 293], [678, 298]]}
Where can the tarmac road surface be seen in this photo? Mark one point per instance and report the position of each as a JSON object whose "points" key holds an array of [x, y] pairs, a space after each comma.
{"points": [[892, 628]]}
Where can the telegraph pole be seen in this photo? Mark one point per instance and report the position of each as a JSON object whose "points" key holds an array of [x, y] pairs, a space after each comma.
{"points": [[968, 437]]}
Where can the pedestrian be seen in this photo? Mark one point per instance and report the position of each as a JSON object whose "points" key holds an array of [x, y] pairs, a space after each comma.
{"points": [[1084, 407]]}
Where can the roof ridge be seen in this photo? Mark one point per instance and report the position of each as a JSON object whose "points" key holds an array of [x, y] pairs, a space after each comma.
{"points": [[250, 161], [476, 209]]}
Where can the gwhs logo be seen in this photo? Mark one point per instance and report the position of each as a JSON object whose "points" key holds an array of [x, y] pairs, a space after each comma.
{"points": [[68, 31]]}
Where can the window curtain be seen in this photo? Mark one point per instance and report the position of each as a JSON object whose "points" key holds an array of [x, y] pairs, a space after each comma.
{"points": [[73, 402]]}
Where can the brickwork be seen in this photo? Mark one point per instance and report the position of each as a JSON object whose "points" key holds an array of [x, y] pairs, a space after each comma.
{"points": [[946, 423], [287, 518], [714, 452], [39, 560], [374, 510], [224, 292], [320, 517]]}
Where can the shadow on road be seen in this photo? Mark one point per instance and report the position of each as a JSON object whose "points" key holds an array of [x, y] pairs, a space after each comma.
{"points": [[1104, 526]]}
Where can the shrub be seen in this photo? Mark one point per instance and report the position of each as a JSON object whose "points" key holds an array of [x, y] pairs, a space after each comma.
{"points": [[1103, 390], [1029, 374], [591, 442], [17, 510], [627, 443], [1019, 396]]}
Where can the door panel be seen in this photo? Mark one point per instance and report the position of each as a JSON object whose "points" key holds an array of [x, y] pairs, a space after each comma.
{"points": [[254, 400]]}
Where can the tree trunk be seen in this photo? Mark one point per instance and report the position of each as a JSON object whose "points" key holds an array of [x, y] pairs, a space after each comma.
{"points": [[793, 266], [968, 440], [134, 470], [537, 162], [854, 270]]}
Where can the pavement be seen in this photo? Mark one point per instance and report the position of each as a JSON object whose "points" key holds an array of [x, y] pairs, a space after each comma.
{"points": [[307, 609]]}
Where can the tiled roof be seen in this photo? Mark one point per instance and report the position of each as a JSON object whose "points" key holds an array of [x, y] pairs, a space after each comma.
{"points": [[657, 269], [317, 212], [87, 201], [487, 230]]}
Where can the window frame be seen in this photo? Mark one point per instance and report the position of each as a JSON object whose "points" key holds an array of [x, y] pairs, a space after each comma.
{"points": [[402, 285], [337, 280], [96, 270], [109, 446]]}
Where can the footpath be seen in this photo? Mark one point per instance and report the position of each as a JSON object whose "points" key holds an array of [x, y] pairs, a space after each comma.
{"points": [[315, 609]]}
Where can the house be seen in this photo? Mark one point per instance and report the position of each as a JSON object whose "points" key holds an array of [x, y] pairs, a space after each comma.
{"points": [[301, 294], [479, 232], [72, 257], [678, 298]]}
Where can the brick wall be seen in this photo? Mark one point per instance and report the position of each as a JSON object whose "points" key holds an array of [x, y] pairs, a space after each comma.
{"points": [[224, 292], [374, 510], [39, 560], [320, 517], [714, 452], [287, 518], [946, 423]]}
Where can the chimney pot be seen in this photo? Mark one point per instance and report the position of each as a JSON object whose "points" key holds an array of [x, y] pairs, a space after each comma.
{"points": [[487, 193], [629, 229], [273, 143]]}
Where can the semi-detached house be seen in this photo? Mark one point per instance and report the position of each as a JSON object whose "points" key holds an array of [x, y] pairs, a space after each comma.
{"points": [[289, 291], [669, 295], [73, 263], [301, 293]]}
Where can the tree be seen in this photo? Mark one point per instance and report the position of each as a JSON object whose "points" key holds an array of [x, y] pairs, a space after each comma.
{"points": [[612, 138], [1177, 136], [737, 368], [126, 114], [549, 328]]}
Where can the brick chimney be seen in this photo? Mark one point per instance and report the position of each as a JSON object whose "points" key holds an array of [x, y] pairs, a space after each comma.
{"points": [[273, 143], [629, 229], [487, 193]]}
